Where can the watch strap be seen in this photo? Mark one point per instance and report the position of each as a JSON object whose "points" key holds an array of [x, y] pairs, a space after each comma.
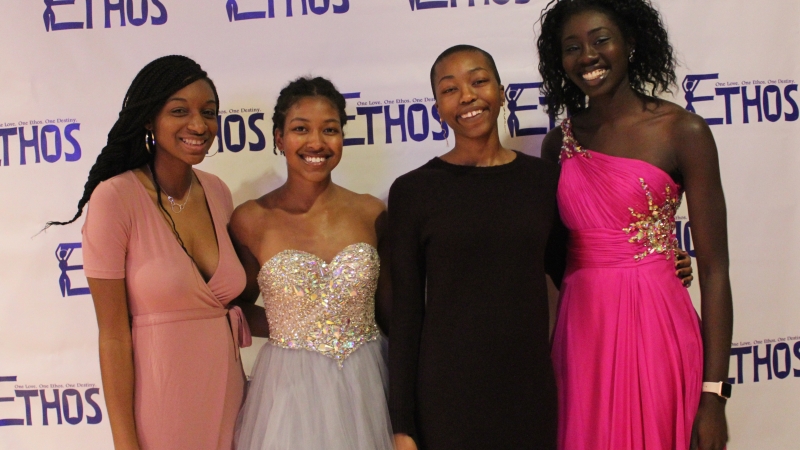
{"points": [[720, 388]]}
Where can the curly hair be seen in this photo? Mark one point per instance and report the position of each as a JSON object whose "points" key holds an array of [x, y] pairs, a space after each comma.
{"points": [[126, 148], [651, 72], [299, 89]]}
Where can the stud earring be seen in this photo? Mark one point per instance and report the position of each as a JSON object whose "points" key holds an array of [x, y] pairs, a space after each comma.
{"points": [[630, 56]]}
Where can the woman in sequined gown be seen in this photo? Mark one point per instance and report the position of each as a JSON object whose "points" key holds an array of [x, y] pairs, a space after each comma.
{"points": [[312, 248], [628, 351]]}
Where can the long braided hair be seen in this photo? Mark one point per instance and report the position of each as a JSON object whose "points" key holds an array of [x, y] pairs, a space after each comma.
{"points": [[651, 71], [126, 148]]}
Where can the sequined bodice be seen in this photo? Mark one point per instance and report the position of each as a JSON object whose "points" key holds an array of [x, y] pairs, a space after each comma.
{"points": [[324, 307], [615, 207]]}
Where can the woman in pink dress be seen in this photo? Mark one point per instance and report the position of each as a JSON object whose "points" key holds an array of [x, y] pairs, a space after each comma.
{"points": [[633, 368], [162, 268]]}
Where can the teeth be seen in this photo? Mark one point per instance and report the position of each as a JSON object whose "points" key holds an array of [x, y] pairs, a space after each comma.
{"points": [[314, 159], [471, 114], [595, 74], [193, 141]]}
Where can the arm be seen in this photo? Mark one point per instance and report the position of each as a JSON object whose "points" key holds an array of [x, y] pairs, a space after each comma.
{"points": [[408, 298], [255, 315], [116, 358], [698, 162], [551, 145], [383, 296]]}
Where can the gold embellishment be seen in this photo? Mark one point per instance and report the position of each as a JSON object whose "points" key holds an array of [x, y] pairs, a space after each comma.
{"points": [[324, 307], [569, 145], [655, 229]]}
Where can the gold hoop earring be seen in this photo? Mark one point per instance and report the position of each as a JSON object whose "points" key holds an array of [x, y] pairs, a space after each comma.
{"points": [[149, 141]]}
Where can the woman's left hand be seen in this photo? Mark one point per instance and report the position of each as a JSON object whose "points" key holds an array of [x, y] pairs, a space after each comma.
{"points": [[710, 430], [683, 267]]}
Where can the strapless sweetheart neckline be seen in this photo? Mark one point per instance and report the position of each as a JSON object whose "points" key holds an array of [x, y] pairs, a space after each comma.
{"points": [[303, 252]]}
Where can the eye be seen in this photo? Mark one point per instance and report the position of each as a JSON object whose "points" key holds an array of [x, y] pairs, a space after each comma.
{"points": [[178, 111], [602, 40], [331, 130], [481, 81], [299, 129], [210, 113], [448, 90], [571, 48]]}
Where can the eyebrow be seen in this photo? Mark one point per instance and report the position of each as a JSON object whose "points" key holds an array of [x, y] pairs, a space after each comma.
{"points": [[181, 99], [453, 76], [303, 119], [594, 30]]}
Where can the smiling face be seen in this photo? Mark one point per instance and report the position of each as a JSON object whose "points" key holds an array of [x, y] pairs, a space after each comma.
{"points": [[468, 95], [311, 138], [594, 53], [185, 127]]}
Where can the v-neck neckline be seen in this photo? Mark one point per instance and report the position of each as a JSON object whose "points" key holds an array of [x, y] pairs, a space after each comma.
{"points": [[163, 220]]}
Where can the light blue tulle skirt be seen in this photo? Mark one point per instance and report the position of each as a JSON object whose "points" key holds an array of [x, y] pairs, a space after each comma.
{"points": [[302, 400]]}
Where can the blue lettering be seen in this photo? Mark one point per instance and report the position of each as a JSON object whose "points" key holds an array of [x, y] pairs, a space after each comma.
{"points": [[98, 413], [787, 357], [748, 102], [9, 422], [422, 135], [119, 6], [797, 355], [727, 92], [739, 352], [234, 118], [369, 111], [343, 8], [24, 143], [261, 144], [50, 16], [162, 16], [57, 153], [777, 91], [55, 404], [319, 10], [233, 12], [762, 361], [5, 133], [78, 406], [131, 17], [76, 154], [690, 83], [392, 122], [791, 117], [352, 141]]}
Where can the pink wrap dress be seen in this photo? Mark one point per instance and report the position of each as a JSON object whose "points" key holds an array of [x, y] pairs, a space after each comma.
{"points": [[188, 377], [627, 350]]}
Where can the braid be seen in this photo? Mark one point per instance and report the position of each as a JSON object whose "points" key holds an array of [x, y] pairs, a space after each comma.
{"points": [[299, 89], [651, 72], [125, 148]]}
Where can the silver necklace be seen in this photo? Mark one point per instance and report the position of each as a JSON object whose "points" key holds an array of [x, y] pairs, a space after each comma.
{"points": [[178, 207]]}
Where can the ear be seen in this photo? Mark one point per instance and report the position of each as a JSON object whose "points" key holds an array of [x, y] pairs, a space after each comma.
{"points": [[148, 126], [502, 95], [279, 139]]}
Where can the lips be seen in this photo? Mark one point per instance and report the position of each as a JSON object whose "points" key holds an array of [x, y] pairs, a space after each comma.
{"points": [[193, 142], [595, 74], [314, 160]]}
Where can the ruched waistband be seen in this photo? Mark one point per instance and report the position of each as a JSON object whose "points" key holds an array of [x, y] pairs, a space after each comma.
{"points": [[240, 331], [604, 247]]}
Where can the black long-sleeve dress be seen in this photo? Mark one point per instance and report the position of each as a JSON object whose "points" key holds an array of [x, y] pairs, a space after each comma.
{"points": [[469, 354]]}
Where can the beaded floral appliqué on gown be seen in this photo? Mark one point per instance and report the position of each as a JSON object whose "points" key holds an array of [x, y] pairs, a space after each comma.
{"points": [[569, 145], [324, 307], [655, 228]]}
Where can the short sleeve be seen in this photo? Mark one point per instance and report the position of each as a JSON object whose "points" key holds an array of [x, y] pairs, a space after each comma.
{"points": [[106, 232]]}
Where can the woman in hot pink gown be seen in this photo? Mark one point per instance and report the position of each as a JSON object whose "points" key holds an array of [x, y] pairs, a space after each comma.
{"points": [[630, 360]]}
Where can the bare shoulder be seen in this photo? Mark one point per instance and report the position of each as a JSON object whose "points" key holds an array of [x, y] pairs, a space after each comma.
{"points": [[551, 145], [365, 205], [248, 215], [681, 125]]}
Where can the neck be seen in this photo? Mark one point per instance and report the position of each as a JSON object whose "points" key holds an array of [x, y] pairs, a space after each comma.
{"points": [[174, 177], [481, 151], [617, 103], [301, 195]]}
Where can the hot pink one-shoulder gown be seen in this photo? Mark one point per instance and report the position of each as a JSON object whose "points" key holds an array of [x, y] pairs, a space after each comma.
{"points": [[627, 350]]}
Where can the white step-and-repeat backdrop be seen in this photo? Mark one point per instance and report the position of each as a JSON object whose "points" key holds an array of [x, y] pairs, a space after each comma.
{"points": [[66, 65]]}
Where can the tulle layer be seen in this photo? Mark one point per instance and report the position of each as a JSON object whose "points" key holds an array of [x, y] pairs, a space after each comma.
{"points": [[299, 399]]}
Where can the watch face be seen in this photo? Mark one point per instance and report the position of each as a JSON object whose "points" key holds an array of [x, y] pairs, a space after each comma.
{"points": [[726, 390]]}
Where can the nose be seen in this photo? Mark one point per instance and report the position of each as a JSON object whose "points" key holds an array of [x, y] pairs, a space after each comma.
{"points": [[314, 141], [468, 94], [588, 55], [197, 124]]}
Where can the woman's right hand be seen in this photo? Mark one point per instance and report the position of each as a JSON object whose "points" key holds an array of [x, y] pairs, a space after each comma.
{"points": [[403, 441]]}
